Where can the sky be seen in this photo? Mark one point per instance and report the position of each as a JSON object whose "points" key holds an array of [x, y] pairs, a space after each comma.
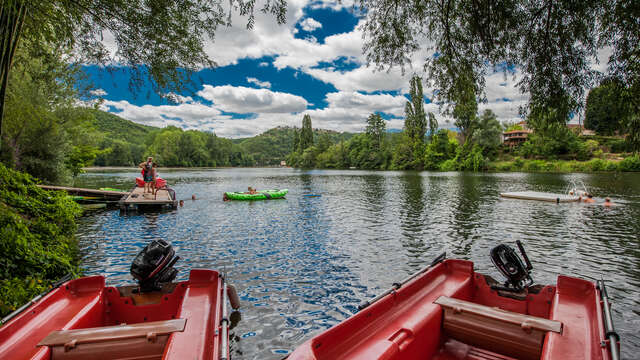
{"points": [[274, 74]]}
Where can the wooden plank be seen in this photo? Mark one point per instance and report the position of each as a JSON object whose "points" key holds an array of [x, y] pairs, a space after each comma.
{"points": [[138, 197], [86, 192], [540, 196]]}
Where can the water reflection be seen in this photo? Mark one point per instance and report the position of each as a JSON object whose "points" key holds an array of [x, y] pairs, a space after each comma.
{"points": [[301, 265]]}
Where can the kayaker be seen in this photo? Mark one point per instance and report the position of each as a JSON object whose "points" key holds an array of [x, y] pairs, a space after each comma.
{"points": [[252, 190], [147, 174], [589, 199]]}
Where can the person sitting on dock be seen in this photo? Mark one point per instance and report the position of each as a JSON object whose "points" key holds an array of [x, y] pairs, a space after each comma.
{"points": [[589, 199], [147, 174]]}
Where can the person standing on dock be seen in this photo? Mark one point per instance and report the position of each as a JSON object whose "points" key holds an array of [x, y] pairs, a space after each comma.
{"points": [[147, 174]]}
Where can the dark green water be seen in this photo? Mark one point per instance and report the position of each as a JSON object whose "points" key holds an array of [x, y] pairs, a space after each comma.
{"points": [[302, 264]]}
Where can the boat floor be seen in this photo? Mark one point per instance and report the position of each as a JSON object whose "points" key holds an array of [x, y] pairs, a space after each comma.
{"points": [[540, 196]]}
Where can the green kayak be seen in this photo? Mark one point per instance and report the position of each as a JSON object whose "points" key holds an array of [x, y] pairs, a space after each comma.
{"points": [[260, 195]]}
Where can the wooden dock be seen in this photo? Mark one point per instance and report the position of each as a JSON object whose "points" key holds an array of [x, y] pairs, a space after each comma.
{"points": [[136, 199], [540, 196], [105, 195]]}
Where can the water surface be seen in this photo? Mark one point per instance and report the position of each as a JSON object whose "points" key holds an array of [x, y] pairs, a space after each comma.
{"points": [[303, 264]]}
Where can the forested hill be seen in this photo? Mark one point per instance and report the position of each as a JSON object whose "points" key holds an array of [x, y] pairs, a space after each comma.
{"points": [[126, 143], [274, 145], [115, 127]]}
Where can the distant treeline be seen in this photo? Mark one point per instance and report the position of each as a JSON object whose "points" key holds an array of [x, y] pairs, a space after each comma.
{"points": [[477, 145]]}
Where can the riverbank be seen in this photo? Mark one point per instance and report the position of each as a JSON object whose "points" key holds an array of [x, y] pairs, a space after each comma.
{"points": [[628, 164], [38, 246]]}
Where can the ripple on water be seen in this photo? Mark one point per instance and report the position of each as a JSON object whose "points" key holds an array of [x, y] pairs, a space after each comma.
{"points": [[302, 265]]}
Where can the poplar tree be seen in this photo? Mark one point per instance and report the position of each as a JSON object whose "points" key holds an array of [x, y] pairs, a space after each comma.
{"points": [[306, 133], [415, 117]]}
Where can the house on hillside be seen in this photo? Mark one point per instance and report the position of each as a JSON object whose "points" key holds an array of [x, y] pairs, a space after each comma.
{"points": [[516, 137]]}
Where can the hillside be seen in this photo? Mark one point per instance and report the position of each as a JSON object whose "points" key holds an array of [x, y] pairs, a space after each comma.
{"points": [[273, 146], [115, 127], [130, 142]]}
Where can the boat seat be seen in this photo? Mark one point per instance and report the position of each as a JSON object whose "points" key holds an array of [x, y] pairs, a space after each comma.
{"points": [[513, 334], [133, 341]]}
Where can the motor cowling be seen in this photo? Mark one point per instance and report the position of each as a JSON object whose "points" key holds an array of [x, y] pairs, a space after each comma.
{"points": [[153, 266], [512, 267]]}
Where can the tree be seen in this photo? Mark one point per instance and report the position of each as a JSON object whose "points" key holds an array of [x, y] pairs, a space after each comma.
{"points": [[433, 125], [606, 110], [375, 129], [306, 133], [466, 106], [415, 122], [161, 40], [552, 43], [296, 140], [489, 131]]}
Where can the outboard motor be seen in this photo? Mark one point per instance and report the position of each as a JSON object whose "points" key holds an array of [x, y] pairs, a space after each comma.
{"points": [[153, 266], [511, 266]]}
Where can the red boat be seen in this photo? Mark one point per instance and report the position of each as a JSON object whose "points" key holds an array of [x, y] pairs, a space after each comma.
{"points": [[447, 311], [157, 319]]}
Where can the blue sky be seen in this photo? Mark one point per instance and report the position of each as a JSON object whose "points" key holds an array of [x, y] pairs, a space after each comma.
{"points": [[273, 75]]}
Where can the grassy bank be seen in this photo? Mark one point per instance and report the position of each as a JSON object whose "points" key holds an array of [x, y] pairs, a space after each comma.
{"points": [[631, 163], [37, 229]]}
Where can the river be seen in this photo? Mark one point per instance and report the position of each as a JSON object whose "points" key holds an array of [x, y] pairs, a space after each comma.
{"points": [[303, 264]]}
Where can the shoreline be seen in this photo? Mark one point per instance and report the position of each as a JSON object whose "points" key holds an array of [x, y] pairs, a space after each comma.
{"points": [[596, 165]]}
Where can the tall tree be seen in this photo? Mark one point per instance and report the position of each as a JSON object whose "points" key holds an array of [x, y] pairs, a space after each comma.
{"points": [[161, 40], [415, 121], [375, 129], [433, 125], [296, 139], [466, 106], [489, 131], [306, 133]]}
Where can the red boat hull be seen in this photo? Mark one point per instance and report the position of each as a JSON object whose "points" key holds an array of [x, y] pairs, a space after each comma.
{"points": [[407, 324], [87, 304]]}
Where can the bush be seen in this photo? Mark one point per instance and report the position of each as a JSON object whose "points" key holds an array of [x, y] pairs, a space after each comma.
{"points": [[619, 146], [518, 162], [37, 230], [597, 164], [449, 165], [631, 163]]}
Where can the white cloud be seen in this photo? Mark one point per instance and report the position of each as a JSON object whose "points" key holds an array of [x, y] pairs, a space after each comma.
{"points": [[242, 99], [310, 24], [263, 84], [98, 92], [178, 99]]}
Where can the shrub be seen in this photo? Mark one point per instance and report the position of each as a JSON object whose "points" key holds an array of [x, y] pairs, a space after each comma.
{"points": [[631, 163], [518, 162], [597, 164], [37, 231], [449, 165]]}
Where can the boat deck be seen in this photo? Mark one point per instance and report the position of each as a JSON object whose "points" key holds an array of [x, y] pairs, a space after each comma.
{"points": [[540, 196], [137, 198]]}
